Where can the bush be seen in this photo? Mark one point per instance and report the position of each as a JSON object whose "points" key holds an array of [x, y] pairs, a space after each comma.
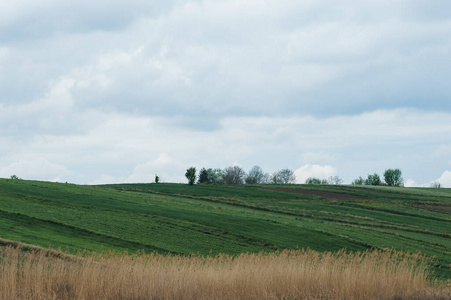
{"points": [[314, 180]]}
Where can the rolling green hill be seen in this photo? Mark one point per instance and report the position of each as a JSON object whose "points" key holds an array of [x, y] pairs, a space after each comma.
{"points": [[204, 219]]}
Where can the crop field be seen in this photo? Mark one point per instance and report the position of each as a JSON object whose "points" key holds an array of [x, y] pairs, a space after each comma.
{"points": [[207, 220]]}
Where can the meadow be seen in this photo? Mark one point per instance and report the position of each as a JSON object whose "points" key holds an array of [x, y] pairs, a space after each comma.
{"points": [[290, 274], [209, 220]]}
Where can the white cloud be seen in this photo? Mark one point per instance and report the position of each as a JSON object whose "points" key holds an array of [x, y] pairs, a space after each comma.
{"points": [[412, 183], [213, 83], [106, 179], [445, 179], [317, 171], [164, 166], [35, 168], [121, 147]]}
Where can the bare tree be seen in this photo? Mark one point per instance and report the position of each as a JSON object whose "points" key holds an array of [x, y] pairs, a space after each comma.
{"points": [[284, 176], [233, 175], [436, 184], [256, 176], [335, 180]]}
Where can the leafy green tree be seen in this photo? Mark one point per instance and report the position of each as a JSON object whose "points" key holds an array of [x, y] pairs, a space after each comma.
{"points": [[314, 180], [358, 181], [203, 176], [215, 176], [210, 176], [393, 177], [374, 179], [191, 175], [157, 178], [14, 177]]}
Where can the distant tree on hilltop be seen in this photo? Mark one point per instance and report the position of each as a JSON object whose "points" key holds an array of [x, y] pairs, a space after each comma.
{"points": [[256, 176], [436, 184], [314, 180], [191, 175], [286, 176], [374, 179], [358, 181], [203, 176], [233, 175], [335, 180], [210, 176], [393, 177]]}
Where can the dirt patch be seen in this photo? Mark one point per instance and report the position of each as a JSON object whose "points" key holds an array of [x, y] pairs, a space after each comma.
{"points": [[446, 209], [328, 195]]}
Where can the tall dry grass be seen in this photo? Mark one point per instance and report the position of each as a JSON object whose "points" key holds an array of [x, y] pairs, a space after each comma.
{"points": [[39, 274]]}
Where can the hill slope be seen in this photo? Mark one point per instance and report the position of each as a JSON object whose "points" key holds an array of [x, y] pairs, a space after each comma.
{"points": [[177, 218]]}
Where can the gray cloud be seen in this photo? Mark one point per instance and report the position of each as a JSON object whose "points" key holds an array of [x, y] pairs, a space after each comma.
{"points": [[70, 70]]}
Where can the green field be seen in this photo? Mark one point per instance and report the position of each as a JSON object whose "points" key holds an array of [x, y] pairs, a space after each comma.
{"points": [[211, 219]]}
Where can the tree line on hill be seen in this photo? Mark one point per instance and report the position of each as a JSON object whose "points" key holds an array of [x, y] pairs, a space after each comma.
{"points": [[237, 175], [392, 177]]}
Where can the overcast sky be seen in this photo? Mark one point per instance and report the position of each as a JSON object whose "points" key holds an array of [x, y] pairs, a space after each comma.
{"points": [[118, 91]]}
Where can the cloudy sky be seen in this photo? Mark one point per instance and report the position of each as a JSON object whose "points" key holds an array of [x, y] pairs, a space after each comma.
{"points": [[118, 91]]}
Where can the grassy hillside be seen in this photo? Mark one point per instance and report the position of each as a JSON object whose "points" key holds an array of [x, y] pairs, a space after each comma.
{"points": [[177, 218]]}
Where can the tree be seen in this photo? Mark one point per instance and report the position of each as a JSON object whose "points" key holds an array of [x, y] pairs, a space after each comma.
{"points": [[233, 175], [314, 180], [14, 177], [436, 184], [373, 179], [358, 181], [393, 177], [203, 176], [191, 175], [335, 180], [210, 176], [275, 178], [157, 178], [255, 176], [286, 176], [215, 176]]}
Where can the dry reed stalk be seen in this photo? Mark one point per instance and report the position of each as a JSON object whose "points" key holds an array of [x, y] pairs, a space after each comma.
{"points": [[290, 274]]}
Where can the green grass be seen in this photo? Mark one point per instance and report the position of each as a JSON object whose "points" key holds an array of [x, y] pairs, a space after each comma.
{"points": [[211, 219]]}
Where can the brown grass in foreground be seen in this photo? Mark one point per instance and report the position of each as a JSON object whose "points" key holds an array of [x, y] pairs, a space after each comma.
{"points": [[290, 274]]}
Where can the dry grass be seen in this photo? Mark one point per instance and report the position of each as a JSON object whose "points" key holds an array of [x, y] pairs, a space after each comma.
{"points": [[39, 274]]}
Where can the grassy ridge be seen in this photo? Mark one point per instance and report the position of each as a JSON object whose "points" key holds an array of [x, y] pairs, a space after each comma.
{"points": [[177, 218]]}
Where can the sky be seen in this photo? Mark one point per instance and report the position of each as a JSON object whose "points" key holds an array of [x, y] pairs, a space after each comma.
{"points": [[118, 91]]}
